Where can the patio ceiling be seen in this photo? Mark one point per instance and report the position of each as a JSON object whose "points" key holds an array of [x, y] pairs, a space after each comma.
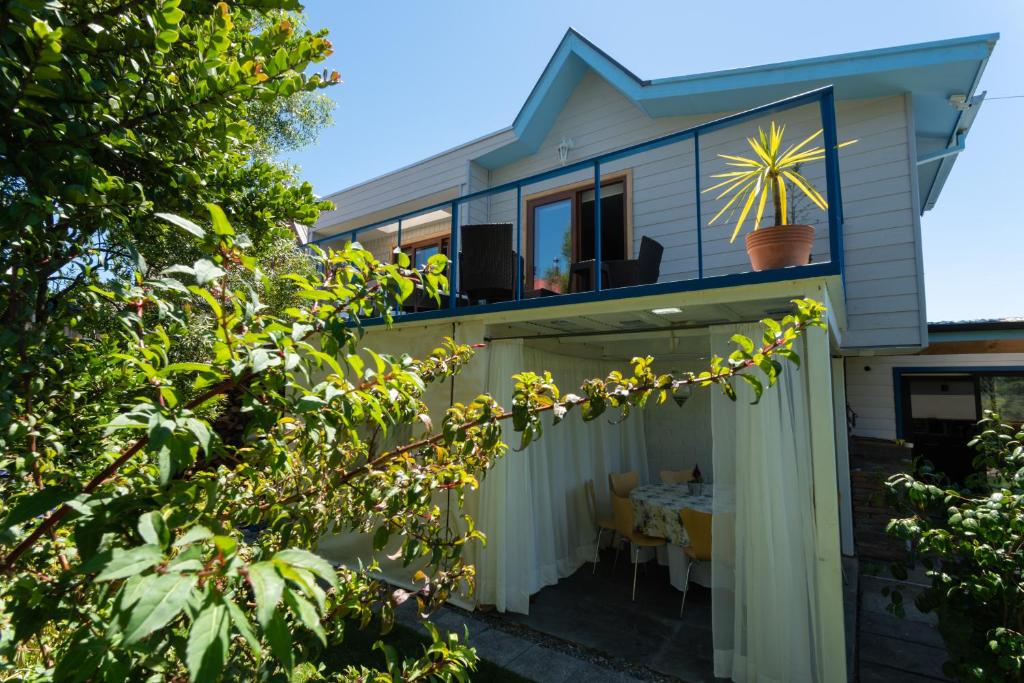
{"points": [[673, 332]]}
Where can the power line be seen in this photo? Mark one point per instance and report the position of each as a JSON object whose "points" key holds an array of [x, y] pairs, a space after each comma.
{"points": [[1005, 97]]}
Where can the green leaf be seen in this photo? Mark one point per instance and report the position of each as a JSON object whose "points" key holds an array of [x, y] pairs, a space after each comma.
{"points": [[306, 613], [380, 537], [309, 403], [221, 225], [300, 331], [201, 431], [183, 223], [172, 15], [755, 384], [36, 504], [243, 625], [280, 640], [124, 563], [162, 599], [193, 535], [261, 360], [153, 529], [307, 560], [790, 355], [208, 642], [356, 364], [175, 368], [125, 421], [81, 660], [207, 271], [743, 342], [267, 586]]}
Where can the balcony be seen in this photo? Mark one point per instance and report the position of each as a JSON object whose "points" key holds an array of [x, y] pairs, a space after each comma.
{"points": [[633, 222]]}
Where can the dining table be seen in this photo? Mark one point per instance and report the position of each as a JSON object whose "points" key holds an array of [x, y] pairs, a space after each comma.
{"points": [[656, 510]]}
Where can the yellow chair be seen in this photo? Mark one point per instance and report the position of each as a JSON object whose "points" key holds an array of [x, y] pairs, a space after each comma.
{"points": [[675, 476], [621, 483], [602, 523], [698, 528], [622, 508]]}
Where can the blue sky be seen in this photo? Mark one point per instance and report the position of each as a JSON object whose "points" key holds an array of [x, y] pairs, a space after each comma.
{"points": [[422, 77]]}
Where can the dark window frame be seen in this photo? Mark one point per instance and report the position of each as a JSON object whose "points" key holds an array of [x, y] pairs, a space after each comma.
{"points": [[441, 241], [901, 388], [575, 194]]}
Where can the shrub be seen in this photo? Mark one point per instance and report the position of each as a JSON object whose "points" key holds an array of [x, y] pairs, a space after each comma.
{"points": [[971, 542]]}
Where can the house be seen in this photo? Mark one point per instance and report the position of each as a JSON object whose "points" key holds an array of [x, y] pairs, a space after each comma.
{"points": [[926, 404], [585, 234], [968, 366]]}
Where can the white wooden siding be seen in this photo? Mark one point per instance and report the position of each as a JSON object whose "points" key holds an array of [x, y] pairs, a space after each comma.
{"points": [[436, 174], [870, 391]]}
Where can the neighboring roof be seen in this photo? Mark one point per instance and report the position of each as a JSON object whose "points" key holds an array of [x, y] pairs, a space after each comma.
{"points": [[932, 72], [987, 329], [1012, 323]]}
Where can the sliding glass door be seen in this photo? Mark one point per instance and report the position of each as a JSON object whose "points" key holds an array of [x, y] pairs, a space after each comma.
{"points": [[560, 232], [552, 246]]}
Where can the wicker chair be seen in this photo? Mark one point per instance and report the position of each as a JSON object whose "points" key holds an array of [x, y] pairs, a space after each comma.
{"points": [[643, 270], [487, 262]]}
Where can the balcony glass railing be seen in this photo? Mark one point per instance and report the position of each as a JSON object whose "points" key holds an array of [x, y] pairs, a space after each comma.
{"points": [[631, 222]]}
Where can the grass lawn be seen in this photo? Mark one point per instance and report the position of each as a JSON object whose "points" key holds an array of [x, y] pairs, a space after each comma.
{"points": [[357, 650]]}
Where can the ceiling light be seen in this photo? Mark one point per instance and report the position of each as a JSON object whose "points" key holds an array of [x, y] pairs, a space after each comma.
{"points": [[672, 310]]}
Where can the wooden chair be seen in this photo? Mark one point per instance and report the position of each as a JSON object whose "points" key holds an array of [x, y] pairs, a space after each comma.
{"points": [[621, 483], [698, 529], [602, 523], [675, 476], [622, 508]]}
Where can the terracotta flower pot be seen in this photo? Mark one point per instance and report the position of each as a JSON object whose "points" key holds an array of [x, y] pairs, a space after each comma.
{"points": [[779, 246]]}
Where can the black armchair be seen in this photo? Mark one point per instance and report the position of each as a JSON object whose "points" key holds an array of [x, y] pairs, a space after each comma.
{"points": [[487, 262], [643, 270]]}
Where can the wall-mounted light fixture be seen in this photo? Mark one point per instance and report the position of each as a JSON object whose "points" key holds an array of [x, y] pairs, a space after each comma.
{"points": [[563, 150]]}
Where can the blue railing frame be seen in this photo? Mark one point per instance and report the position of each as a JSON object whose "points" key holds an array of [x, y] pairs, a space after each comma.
{"points": [[824, 97]]}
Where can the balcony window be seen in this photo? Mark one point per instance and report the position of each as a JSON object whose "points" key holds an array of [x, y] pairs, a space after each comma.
{"points": [[420, 252], [560, 232]]}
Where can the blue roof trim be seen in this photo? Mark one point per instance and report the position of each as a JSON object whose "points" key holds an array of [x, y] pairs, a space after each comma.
{"points": [[573, 44], [930, 71], [847, 64]]}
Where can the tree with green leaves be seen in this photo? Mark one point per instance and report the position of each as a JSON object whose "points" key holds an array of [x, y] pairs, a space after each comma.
{"points": [[141, 539], [111, 109], [970, 541]]}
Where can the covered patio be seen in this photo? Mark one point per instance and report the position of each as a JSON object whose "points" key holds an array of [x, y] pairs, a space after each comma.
{"points": [[768, 596]]}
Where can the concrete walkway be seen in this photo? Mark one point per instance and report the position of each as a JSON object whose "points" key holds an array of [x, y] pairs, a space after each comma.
{"points": [[526, 657]]}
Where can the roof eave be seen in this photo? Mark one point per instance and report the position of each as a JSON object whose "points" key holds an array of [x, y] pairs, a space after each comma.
{"points": [[958, 136]]}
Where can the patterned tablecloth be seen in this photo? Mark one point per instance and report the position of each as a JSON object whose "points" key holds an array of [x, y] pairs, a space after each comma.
{"points": [[656, 509]]}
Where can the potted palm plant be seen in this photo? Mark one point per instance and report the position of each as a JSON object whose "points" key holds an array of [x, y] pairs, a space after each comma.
{"points": [[767, 174]]}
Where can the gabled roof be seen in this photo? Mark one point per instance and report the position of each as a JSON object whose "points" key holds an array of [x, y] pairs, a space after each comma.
{"points": [[932, 72]]}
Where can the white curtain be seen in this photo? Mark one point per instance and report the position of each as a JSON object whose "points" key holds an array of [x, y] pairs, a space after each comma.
{"points": [[532, 504], [765, 579]]}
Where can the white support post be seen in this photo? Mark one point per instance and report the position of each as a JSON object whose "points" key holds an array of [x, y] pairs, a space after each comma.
{"points": [[830, 626], [842, 457]]}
